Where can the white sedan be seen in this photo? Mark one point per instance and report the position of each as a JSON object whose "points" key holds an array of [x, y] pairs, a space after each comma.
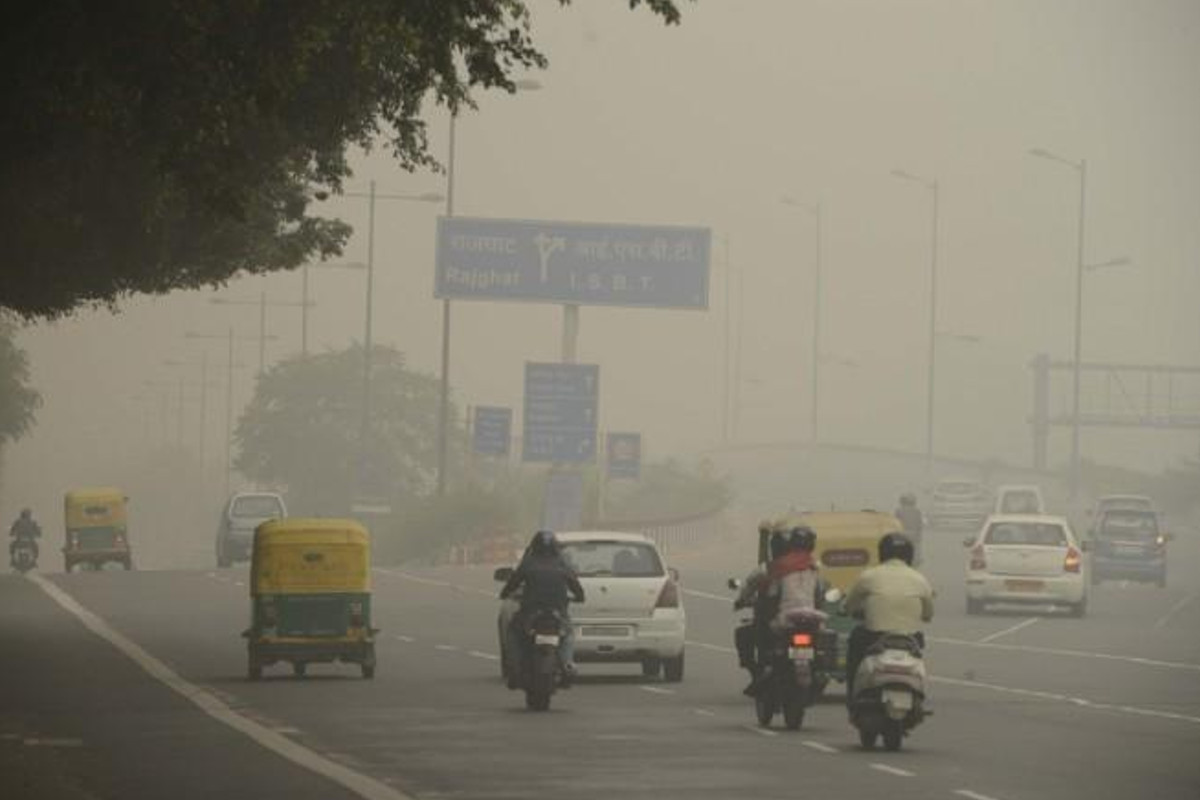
{"points": [[633, 613], [1031, 559]]}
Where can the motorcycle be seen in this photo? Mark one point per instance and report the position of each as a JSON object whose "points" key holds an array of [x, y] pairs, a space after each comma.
{"points": [[793, 670], [24, 555], [540, 668], [889, 692]]}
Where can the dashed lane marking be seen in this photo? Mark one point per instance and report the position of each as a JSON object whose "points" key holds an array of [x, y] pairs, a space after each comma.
{"points": [[709, 596], [404, 638], [972, 795], [357, 782], [704, 712], [716, 648], [42, 741], [487, 656], [1057, 651], [656, 690], [819, 746], [760, 731], [1013, 629], [1162, 621], [447, 648], [889, 769]]}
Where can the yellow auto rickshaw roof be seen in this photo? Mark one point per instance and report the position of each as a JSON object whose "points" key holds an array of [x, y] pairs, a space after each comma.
{"points": [[850, 523], [310, 556], [99, 494], [311, 530]]}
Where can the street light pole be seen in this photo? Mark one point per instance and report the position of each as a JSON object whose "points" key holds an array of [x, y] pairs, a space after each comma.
{"points": [[816, 334], [364, 431], [1080, 168], [444, 386]]}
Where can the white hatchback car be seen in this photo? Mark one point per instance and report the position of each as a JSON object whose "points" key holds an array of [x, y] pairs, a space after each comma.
{"points": [[1031, 559], [633, 613]]}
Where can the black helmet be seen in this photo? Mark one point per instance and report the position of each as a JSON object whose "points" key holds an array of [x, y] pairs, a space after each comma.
{"points": [[544, 543], [908, 499], [803, 538], [896, 545], [26, 513], [780, 544]]}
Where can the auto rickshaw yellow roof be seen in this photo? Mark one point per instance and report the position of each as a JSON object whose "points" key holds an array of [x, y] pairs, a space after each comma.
{"points": [[856, 521], [94, 493], [302, 529]]}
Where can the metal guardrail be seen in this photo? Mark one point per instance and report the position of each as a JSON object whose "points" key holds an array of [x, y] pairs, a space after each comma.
{"points": [[670, 533]]}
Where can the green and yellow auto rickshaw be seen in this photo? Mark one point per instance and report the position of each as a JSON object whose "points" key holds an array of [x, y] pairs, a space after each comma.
{"points": [[97, 529], [310, 595], [847, 544]]}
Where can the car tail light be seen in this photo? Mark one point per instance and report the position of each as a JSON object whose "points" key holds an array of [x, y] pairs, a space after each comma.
{"points": [[978, 562], [1161, 541], [1072, 561], [356, 614], [669, 596], [802, 640]]}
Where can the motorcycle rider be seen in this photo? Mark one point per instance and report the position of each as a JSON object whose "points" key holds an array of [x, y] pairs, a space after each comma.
{"points": [[546, 581], [25, 529], [779, 591], [891, 598], [911, 519]]}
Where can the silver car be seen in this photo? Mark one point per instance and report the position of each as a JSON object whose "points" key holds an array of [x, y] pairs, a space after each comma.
{"points": [[244, 512]]}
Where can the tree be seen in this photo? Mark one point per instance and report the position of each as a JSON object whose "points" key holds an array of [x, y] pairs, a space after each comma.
{"points": [[154, 145], [18, 401], [303, 430]]}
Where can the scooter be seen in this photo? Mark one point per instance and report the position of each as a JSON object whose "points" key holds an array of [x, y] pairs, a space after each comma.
{"points": [[889, 692], [540, 668], [24, 556]]}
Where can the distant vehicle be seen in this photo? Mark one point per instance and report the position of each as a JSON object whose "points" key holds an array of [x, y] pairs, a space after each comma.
{"points": [[634, 609], [1019, 500], [244, 512], [959, 503], [1128, 543], [97, 529], [1026, 559]]}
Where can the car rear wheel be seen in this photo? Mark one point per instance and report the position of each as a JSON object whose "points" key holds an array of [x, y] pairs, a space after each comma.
{"points": [[1078, 609], [673, 669]]}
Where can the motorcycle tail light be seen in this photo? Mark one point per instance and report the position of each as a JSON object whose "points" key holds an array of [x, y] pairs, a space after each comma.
{"points": [[669, 596], [978, 562], [1072, 561], [802, 640], [356, 614]]}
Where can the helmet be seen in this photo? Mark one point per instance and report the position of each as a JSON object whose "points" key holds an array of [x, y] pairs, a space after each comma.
{"points": [[544, 543], [803, 538], [26, 513], [896, 545], [780, 543], [908, 499]]}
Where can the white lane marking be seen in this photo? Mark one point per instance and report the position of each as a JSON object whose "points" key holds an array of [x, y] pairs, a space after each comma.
{"points": [[903, 773], [1062, 698], [238, 583], [819, 746], [287, 731], [1056, 651], [1019, 626], [405, 638], [360, 784], [972, 795], [714, 647], [479, 654], [50, 742], [761, 731], [656, 690], [1162, 621], [704, 712], [708, 596], [448, 648]]}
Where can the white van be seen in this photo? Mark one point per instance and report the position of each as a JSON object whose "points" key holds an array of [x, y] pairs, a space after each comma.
{"points": [[1019, 499]]}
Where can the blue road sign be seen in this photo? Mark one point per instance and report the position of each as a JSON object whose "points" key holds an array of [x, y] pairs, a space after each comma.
{"points": [[492, 430], [624, 455], [573, 263], [561, 407]]}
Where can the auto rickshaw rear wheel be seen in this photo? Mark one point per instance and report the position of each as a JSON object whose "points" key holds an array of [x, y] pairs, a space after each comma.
{"points": [[299, 669], [368, 663]]}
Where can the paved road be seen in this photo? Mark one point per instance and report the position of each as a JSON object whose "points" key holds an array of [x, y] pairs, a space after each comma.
{"points": [[1027, 707]]}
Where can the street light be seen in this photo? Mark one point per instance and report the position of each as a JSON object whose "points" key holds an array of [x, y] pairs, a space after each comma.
{"points": [[932, 187], [262, 304], [1080, 167], [815, 210], [523, 85], [372, 196], [304, 303]]}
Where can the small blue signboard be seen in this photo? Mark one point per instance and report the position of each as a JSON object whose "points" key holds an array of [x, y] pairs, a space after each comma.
{"points": [[573, 263], [624, 455], [561, 410], [492, 430]]}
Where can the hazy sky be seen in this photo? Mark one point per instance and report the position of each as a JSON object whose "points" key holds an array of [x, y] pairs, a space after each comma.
{"points": [[712, 123]]}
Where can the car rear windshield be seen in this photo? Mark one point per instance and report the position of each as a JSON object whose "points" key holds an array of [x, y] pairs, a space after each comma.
{"points": [[617, 559], [257, 506], [1128, 525], [1020, 501], [1043, 534], [958, 488], [1126, 502]]}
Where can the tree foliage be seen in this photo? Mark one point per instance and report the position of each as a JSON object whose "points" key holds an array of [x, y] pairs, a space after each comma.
{"points": [[303, 430], [151, 145], [18, 400]]}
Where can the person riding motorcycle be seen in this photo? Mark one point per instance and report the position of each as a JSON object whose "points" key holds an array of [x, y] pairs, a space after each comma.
{"points": [[24, 529], [911, 519], [891, 598], [779, 591], [546, 581]]}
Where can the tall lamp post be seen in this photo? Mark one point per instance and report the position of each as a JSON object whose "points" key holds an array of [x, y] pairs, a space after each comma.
{"points": [[443, 433], [1080, 168], [262, 303], [815, 370], [932, 187]]}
